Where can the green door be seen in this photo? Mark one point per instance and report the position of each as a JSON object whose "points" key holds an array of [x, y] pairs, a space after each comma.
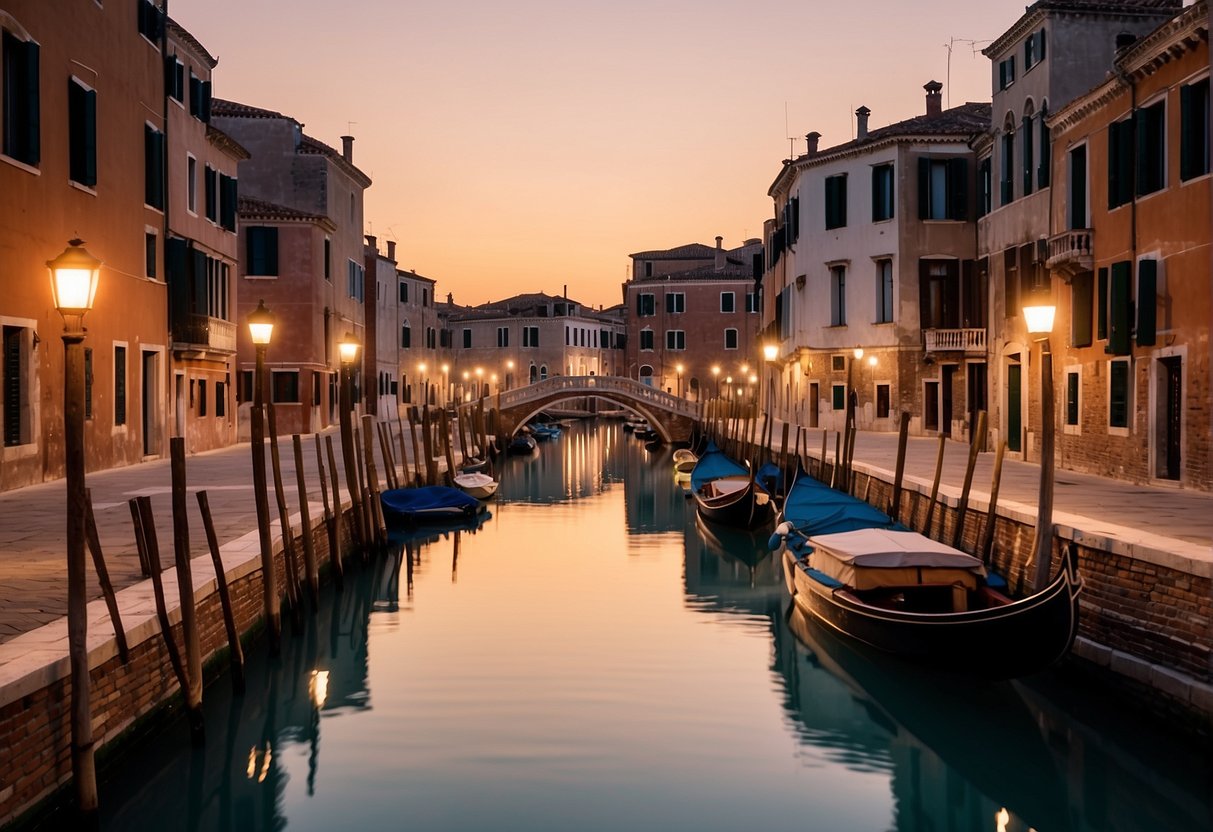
{"points": [[1014, 415]]}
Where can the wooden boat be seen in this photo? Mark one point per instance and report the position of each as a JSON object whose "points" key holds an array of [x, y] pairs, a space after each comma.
{"points": [[474, 465], [542, 433], [685, 461], [521, 444], [480, 486], [429, 504], [904, 593], [725, 491]]}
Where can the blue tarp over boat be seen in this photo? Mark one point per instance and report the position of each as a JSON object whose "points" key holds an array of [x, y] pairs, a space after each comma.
{"points": [[714, 464], [813, 508], [435, 503]]}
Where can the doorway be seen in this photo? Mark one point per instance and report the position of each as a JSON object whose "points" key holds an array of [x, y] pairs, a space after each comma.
{"points": [[1014, 413], [976, 395], [1170, 418], [814, 404], [150, 389], [930, 405], [947, 374]]}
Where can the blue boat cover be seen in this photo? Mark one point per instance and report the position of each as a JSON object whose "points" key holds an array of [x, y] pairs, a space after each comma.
{"points": [[770, 478], [714, 464], [813, 508], [434, 502]]}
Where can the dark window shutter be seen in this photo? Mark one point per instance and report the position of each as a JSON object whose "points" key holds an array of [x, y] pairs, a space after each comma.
{"points": [[1046, 153], [924, 296], [119, 385], [208, 180], [1121, 317], [877, 206], [170, 75], [205, 113], [1040, 45], [1002, 75], [958, 189], [924, 187], [669, 303], [1078, 187], [22, 126], [1080, 311], [1149, 151], [1101, 305], [1071, 398], [1194, 130], [198, 284], [227, 202], [795, 218], [1120, 163], [1028, 152], [1147, 302], [153, 167]]}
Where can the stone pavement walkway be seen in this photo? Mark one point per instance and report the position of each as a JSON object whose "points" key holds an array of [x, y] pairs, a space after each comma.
{"points": [[32, 536]]}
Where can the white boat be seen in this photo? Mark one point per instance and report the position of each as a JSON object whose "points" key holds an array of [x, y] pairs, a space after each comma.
{"points": [[480, 486]]}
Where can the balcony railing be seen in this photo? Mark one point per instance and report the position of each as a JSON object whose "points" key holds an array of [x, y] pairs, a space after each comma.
{"points": [[199, 332], [969, 340], [1070, 251]]}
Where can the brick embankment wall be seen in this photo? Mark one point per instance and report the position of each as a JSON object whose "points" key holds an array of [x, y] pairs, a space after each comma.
{"points": [[35, 692], [1146, 618]]}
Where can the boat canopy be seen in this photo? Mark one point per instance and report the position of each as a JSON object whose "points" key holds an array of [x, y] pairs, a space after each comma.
{"points": [[869, 558], [714, 464], [813, 508]]}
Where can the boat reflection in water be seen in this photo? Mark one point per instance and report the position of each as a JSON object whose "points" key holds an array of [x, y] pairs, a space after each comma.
{"points": [[580, 463]]}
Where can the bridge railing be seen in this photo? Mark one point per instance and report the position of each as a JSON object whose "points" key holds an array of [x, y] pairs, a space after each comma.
{"points": [[595, 385]]}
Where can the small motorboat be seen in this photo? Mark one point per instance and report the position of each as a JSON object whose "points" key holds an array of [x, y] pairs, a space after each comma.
{"points": [[544, 432], [480, 486], [521, 444], [428, 504], [473, 465], [685, 460]]}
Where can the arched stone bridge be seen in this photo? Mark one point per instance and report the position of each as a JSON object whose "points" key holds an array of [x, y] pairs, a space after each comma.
{"points": [[672, 417]]}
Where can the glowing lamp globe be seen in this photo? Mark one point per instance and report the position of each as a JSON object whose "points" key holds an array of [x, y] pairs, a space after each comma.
{"points": [[261, 324], [348, 348], [74, 276], [1039, 319], [770, 352]]}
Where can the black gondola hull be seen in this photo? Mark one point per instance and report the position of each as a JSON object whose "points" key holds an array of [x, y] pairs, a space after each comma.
{"points": [[741, 509]]}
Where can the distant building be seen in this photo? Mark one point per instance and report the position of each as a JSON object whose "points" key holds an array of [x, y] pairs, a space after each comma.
{"points": [[301, 251], [871, 283], [82, 155], [1130, 268], [424, 345], [692, 319]]}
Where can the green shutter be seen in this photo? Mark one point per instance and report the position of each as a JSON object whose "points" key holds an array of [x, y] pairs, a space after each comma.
{"points": [[1040, 46], [1078, 187], [1025, 131], [1147, 302], [1046, 153], [1081, 301], [1121, 318], [958, 189], [1101, 309], [924, 187], [1194, 130], [1071, 398], [1120, 163], [199, 302]]}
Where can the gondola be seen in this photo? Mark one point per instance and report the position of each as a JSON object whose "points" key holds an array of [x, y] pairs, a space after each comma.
{"points": [[859, 573], [521, 444], [725, 491], [430, 504]]}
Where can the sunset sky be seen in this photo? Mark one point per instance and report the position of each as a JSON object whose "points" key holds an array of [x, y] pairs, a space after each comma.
{"points": [[522, 146]]}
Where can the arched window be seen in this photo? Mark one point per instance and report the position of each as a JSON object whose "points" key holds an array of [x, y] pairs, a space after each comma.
{"points": [[646, 375], [543, 372], [1006, 170], [1046, 151], [534, 373]]}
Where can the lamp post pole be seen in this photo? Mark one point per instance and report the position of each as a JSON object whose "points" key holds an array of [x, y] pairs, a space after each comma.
{"points": [[260, 327], [74, 274], [348, 349], [1038, 316]]}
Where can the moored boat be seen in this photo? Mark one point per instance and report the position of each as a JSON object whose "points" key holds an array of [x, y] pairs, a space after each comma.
{"points": [[429, 504], [685, 461], [480, 486], [725, 491], [521, 444]]}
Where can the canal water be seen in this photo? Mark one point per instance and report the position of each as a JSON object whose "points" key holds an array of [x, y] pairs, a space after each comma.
{"points": [[594, 658]]}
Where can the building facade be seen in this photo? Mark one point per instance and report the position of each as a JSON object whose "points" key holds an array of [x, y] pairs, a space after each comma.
{"points": [[82, 156], [692, 320], [302, 252], [871, 283], [1129, 271]]}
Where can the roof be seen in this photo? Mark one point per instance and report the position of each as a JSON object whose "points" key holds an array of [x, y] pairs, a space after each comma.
{"points": [[690, 251], [522, 306], [732, 273], [179, 32], [1033, 13], [234, 109], [414, 276], [250, 208]]}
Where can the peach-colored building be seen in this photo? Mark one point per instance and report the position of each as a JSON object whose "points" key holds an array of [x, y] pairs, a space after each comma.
{"points": [[82, 156], [1130, 269]]}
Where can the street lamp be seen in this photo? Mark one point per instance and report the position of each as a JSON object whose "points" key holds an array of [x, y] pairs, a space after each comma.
{"points": [[348, 348], [509, 376], [716, 377], [678, 368], [425, 382], [261, 329], [74, 275], [446, 383], [770, 352], [1039, 321]]}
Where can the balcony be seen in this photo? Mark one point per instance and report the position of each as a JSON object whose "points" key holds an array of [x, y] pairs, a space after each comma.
{"points": [[199, 333], [971, 340], [1070, 252]]}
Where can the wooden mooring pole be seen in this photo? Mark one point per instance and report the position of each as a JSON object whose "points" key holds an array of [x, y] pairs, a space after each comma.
{"points": [[185, 590], [103, 576], [305, 518], [235, 651], [903, 432]]}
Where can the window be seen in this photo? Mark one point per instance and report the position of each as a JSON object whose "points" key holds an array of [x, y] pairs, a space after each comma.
{"points": [[153, 167], [503, 336], [16, 395], [1118, 394], [149, 253], [838, 296], [568, 335], [1120, 163], [210, 178], [730, 339], [751, 302], [646, 339], [728, 301], [201, 397], [838, 363], [406, 337], [646, 305], [355, 281], [1194, 129], [467, 338], [1082, 307], [200, 98], [1151, 148], [675, 302], [404, 291], [431, 337], [675, 339], [262, 254], [245, 391], [220, 399], [1101, 304], [1077, 193], [1046, 153], [82, 133], [1147, 302], [1006, 73], [939, 294], [285, 386], [883, 401], [119, 386], [1072, 393], [836, 201], [21, 119], [227, 202], [1010, 279], [88, 382], [884, 291], [943, 186], [1120, 308], [1033, 49], [191, 184], [149, 19], [882, 192], [838, 399], [174, 78], [1028, 152], [1006, 177], [530, 336], [985, 187]]}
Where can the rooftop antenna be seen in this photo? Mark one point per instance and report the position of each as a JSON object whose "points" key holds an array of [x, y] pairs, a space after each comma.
{"points": [[349, 127], [952, 41], [786, 130]]}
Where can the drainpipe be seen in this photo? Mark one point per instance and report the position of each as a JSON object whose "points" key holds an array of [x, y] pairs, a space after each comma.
{"points": [[166, 372]]}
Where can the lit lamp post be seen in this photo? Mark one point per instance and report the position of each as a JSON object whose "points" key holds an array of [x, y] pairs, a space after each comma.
{"points": [[1039, 320], [716, 378], [466, 396], [425, 383], [74, 275], [347, 349], [509, 375], [679, 368], [728, 386], [261, 328], [446, 383], [479, 382]]}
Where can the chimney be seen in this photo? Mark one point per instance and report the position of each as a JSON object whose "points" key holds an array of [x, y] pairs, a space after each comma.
{"points": [[810, 141], [861, 122], [373, 242], [391, 250], [719, 254], [347, 148], [934, 99], [1125, 39], [566, 291]]}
